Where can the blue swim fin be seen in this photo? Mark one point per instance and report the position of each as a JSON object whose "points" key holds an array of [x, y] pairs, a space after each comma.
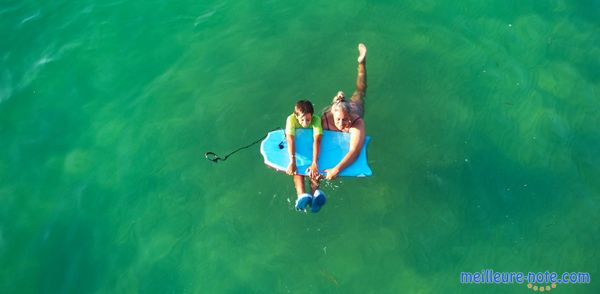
{"points": [[318, 201], [304, 201]]}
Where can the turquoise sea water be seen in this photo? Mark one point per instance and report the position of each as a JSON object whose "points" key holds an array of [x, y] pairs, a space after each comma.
{"points": [[485, 151]]}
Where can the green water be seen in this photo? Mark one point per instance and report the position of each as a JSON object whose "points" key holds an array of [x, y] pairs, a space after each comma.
{"points": [[485, 151]]}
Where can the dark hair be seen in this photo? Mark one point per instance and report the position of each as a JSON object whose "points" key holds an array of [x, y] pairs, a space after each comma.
{"points": [[304, 107]]}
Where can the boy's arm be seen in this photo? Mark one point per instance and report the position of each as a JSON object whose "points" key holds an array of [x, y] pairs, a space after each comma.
{"points": [[313, 169], [289, 136], [316, 149], [292, 153]]}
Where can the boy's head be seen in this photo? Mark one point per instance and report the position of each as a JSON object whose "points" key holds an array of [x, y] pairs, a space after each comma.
{"points": [[304, 112]]}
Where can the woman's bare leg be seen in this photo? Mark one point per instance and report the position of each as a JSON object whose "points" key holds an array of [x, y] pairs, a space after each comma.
{"points": [[361, 78]]}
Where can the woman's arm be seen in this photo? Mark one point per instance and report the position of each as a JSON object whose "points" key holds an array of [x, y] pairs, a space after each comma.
{"points": [[357, 139]]}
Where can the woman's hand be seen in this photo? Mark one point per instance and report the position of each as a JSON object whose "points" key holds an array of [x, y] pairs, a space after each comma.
{"points": [[332, 173], [313, 171], [292, 169]]}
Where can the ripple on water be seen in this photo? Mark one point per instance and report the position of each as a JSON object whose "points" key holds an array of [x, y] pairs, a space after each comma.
{"points": [[78, 161], [50, 54], [5, 85], [31, 17], [2, 242], [204, 17]]}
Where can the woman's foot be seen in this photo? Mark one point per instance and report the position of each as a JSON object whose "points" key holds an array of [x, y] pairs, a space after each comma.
{"points": [[362, 52]]}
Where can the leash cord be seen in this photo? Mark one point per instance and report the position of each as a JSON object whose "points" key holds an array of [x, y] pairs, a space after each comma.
{"points": [[215, 158]]}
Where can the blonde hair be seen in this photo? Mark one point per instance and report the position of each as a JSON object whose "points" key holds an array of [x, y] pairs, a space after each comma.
{"points": [[342, 106], [338, 103]]}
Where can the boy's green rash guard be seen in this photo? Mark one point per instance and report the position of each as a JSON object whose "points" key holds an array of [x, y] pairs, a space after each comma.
{"points": [[292, 123]]}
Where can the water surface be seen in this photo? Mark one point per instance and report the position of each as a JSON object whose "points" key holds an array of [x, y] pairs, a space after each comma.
{"points": [[484, 118]]}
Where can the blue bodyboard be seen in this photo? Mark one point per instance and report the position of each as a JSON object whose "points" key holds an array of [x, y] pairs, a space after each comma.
{"points": [[334, 146]]}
